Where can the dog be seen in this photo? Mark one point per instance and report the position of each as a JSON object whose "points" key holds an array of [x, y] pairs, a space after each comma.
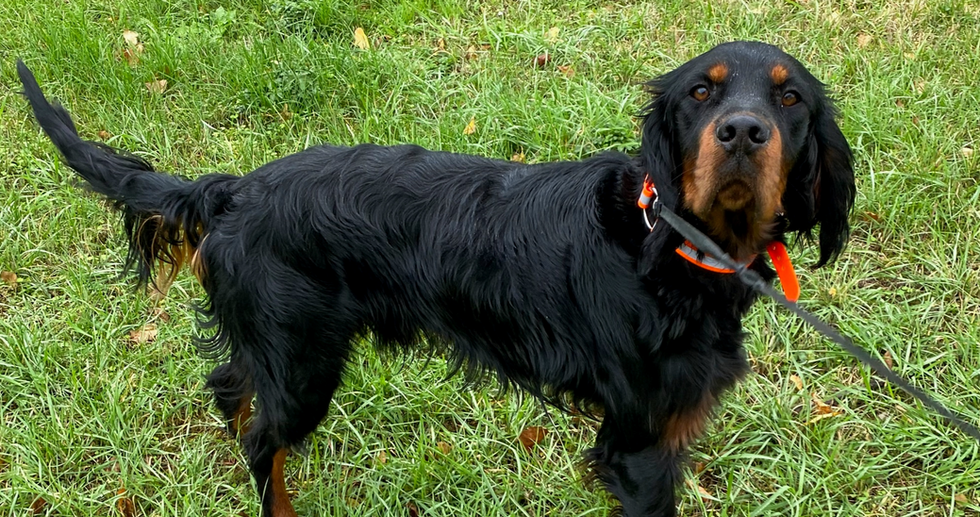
{"points": [[548, 276]]}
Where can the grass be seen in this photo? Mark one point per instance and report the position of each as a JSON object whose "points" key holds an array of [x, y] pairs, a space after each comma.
{"points": [[91, 422]]}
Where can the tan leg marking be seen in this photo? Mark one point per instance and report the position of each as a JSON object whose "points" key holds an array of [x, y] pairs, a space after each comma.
{"points": [[239, 423], [281, 507], [686, 426]]}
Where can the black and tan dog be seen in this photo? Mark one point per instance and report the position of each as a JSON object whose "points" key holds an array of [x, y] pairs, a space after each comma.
{"points": [[544, 275]]}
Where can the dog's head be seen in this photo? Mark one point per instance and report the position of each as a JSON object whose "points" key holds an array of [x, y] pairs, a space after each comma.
{"points": [[745, 138]]}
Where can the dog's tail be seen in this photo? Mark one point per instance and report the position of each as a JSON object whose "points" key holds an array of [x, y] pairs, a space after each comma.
{"points": [[166, 217]]}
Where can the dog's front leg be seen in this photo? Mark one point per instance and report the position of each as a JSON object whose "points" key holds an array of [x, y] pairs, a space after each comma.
{"points": [[638, 468]]}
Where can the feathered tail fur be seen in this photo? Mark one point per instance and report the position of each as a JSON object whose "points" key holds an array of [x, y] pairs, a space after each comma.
{"points": [[166, 217]]}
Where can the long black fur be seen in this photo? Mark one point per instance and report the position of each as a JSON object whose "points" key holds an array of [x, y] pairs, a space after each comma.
{"points": [[542, 275]]}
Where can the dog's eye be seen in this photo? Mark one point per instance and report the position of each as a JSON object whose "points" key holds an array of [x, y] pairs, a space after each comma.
{"points": [[790, 98], [700, 93]]}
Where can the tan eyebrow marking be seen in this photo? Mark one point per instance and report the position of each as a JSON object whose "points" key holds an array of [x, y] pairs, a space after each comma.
{"points": [[779, 74], [718, 73]]}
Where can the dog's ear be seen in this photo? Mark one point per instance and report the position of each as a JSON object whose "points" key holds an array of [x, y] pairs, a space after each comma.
{"points": [[658, 158], [658, 152], [820, 189]]}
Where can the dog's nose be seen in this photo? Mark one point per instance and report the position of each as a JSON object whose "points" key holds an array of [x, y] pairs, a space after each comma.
{"points": [[742, 132]]}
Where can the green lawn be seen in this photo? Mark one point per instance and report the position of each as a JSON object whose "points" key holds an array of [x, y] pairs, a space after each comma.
{"points": [[94, 424]]}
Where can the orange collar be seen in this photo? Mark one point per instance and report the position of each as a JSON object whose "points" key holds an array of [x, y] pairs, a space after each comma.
{"points": [[777, 254], [777, 250], [690, 253]]}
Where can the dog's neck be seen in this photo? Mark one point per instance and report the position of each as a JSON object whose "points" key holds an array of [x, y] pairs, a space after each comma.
{"points": [[649, 198]]}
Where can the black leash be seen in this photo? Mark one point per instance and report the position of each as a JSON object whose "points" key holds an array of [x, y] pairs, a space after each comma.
{"points": [[753, 280]]}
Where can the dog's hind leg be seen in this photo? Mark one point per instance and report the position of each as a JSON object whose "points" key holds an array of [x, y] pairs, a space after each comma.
{"points": [[291, 400], [232, 389], [289, 336]]}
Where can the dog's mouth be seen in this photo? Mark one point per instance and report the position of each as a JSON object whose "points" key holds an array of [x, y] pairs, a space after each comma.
{"points": [[738, 221], [736, 195], [740, 211]]}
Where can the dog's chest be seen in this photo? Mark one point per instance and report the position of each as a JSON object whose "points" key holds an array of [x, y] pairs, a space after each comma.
{"points": [[701, 314]]}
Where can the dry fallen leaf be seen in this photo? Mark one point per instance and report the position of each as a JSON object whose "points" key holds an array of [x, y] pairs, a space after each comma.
{"points": [[821, 407], [961, 498], [532, 436], [159, 314], [518, 157], [131, 56], [125, 504], [360, 39], [157, 86], [864, 40], [132, 38], [470, 127], [966, 151], [567, 70], [413, 510], [873, 216], [887, 358], [8, 277], [821, 417], [542, 59], [470, 53], [382, 457], [38, 506], [441, 44], [822, 410], [133, 48], [444, 447], [797, 381], [552, 35], [704, 492], [145, 334], [103, 134]]}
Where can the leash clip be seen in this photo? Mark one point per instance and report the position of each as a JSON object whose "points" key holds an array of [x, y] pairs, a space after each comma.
{"points": [[648, 197]]}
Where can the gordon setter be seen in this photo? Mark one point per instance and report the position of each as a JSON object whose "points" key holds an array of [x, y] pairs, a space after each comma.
{"points": [[547, 276]]}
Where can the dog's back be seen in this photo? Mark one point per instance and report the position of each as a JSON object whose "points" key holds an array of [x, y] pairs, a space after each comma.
{"points": [[404, 242]]}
